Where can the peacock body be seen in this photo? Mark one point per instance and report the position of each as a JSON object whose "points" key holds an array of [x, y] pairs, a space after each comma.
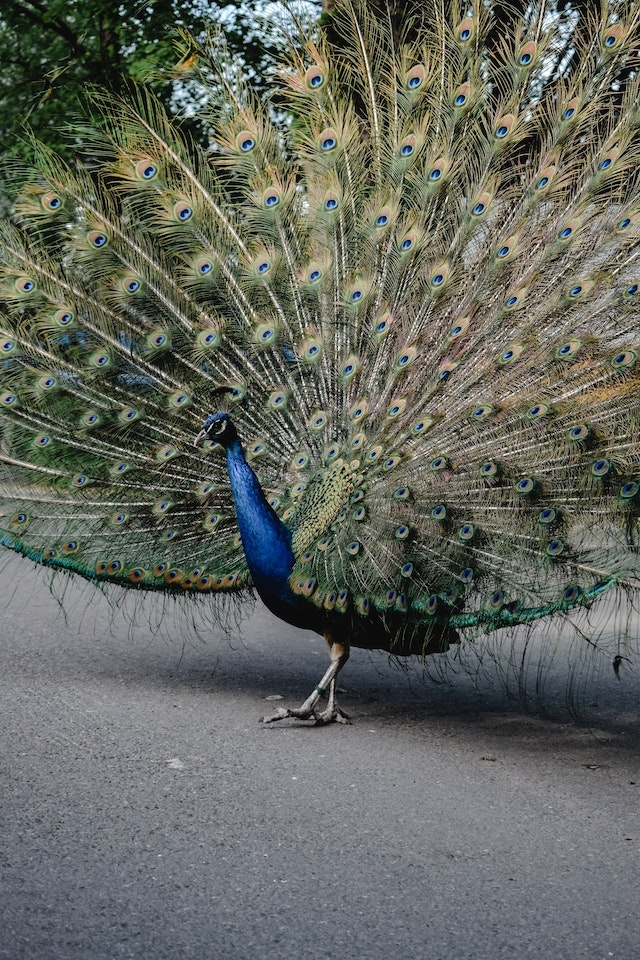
{"points": [[409, 321]]}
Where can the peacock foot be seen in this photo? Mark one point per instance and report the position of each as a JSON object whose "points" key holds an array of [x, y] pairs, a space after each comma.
{"points": [[339, 654], [332, 714]]}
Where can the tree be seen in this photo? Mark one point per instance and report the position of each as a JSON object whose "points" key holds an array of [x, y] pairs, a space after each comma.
{"points": [[53, 48]]}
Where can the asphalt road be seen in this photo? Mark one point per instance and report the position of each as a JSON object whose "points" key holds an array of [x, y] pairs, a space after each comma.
{"points": [[146, 814]]}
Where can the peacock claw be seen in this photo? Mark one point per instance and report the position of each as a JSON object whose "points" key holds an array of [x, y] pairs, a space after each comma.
{"points": [[335, 715]]}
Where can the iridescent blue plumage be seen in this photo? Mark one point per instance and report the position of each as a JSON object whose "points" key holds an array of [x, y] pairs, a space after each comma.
{"points": [[266, 540]]}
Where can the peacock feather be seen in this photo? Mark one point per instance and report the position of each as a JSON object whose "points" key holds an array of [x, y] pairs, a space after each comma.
{"points": [[409, 320]]}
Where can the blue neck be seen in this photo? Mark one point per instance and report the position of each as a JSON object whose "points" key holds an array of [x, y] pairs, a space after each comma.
{"points": [[265, 539]]}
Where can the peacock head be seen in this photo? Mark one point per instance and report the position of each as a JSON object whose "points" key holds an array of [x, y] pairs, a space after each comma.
{"points": [[219, 428]]}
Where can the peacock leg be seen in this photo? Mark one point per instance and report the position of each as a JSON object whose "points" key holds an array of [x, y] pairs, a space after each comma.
{"points": [[339, 654]]}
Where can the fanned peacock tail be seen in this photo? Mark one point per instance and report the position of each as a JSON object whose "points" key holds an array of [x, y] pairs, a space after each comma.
{"points": [[421, 299]]}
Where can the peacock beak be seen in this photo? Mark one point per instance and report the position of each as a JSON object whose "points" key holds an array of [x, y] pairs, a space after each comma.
{"points": [[201, 436]]}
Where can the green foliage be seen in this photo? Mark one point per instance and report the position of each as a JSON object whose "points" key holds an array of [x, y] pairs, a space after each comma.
{"points": [[52, 50]]}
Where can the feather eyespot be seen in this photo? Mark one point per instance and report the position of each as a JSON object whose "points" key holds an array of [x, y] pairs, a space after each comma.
{"points": [[51, 201], [407, 147], [328, 140], [581, 432], [467, 574], [496, 601], [182, 211], [63, 317], [25, 285], [461, 96], [525, 486], [101, 360], [245, 142], [547, 516], [600, 468], [555, 548], [612, 37], [629, 490], [515, 300], [465, 30], [538, 410], [527, 54], [482, 412], [489, 469], [97, 239], [203, 267], [415, 78], [146, 170], [208, 338], [314, 78], [331, 202], [624, 359], [568, 349]]}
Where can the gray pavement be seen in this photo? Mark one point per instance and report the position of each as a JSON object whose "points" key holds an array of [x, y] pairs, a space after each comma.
{"points": [[144, 812]]}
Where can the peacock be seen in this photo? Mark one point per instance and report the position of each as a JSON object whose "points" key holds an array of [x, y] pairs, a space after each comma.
{"points": [[374, 353]]}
